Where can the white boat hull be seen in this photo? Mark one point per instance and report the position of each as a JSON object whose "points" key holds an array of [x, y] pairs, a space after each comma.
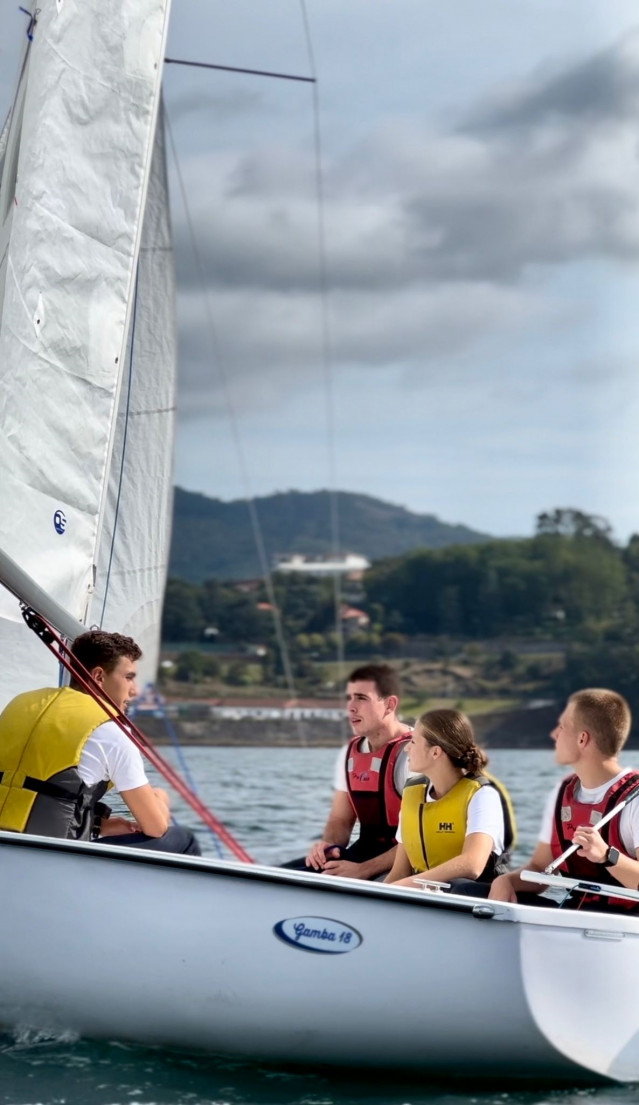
{"points": [[250, 962]]}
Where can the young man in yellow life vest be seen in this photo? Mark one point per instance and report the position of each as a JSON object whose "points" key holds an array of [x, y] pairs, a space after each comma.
{"points": [[59, 752], [589, 736], [370, 773], [457, 823]]}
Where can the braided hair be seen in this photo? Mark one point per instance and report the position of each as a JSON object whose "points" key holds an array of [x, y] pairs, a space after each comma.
{"points": [[453, 733]]}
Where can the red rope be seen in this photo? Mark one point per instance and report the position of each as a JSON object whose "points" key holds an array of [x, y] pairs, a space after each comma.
{"points": [[130, 730]]}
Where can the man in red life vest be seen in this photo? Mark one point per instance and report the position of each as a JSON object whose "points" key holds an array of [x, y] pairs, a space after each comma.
{"points": [[369, 778], [589, 735]]}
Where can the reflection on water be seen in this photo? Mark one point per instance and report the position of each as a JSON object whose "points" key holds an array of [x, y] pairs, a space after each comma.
{"points": [[275, 801], [47, 1072]]}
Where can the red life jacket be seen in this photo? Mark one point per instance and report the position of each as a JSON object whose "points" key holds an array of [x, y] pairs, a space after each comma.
{"points": [[372, 791], [570, 814]]}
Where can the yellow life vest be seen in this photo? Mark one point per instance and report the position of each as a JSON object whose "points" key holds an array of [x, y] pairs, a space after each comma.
{"points": [[434, 832], [42, 734]]}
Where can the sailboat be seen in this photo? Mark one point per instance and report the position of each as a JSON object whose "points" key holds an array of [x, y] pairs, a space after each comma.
{"points": [[228, 957]]}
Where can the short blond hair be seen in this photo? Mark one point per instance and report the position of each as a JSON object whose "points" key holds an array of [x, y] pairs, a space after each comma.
{"points": [[605, 715]]}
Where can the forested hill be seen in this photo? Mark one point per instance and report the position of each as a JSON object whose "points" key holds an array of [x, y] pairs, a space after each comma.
{"points": [[213, 539]]}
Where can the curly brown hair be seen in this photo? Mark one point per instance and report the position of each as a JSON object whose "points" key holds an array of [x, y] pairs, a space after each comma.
{"points": [[99, 649]]}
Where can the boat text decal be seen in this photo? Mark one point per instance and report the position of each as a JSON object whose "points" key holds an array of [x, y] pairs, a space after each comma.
{"points": [[318, 934]]}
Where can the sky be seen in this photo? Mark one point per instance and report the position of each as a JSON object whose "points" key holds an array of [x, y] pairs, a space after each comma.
{"points": [[474, 354]]}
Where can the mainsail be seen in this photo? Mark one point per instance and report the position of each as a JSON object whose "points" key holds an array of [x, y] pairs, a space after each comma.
{"points": [[74, 185], [134, 545]]}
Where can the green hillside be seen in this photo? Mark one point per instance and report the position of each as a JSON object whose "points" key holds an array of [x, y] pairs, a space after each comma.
{"points": [[213, 539]]}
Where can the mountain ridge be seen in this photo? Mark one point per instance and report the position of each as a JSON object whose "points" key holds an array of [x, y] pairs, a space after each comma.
{"points": [[214, 539]]}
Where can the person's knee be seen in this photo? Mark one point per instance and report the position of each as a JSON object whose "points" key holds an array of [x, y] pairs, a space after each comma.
{"points": [[469, 888], [180, 840]]}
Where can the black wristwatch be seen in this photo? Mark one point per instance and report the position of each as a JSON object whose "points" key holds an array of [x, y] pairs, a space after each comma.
{"points": [[612, 857], [101, 812]]}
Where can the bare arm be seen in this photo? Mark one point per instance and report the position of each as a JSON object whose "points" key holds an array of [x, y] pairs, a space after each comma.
{"points": [[594, 848], [468, 865], [505, 887], [367, 869], [401, 867], [337, 830], [150, 808]]}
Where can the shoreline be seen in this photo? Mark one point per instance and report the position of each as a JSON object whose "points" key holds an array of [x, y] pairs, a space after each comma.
{"points": [[522, 728]]}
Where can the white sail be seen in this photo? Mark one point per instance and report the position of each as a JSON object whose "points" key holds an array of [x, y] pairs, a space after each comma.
{"points": [[9, 151], [74, 186], [132, 559]]}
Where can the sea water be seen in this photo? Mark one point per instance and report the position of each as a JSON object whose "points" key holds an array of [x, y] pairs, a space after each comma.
{"points": [[274, 801]]}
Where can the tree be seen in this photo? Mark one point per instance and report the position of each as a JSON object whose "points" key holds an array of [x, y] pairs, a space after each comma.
{"points": [[189, 667], [238, 674], [568, 522], [182, 618]]}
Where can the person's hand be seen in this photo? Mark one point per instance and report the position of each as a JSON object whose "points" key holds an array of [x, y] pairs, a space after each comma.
{"points": [[592, 844], [319, 853], [502, 890], [344, 867], [117, 826]]}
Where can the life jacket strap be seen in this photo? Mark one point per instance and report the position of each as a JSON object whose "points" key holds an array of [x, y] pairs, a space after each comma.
{"points": [[51, 790]]}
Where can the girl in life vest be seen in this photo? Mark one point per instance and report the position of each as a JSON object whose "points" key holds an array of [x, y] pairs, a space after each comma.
{"points": [[456, 821]]}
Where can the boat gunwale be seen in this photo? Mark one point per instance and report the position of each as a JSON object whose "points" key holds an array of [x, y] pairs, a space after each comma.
{"points": [[474, 907]]}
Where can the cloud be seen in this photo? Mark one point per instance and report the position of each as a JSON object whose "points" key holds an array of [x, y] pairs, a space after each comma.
{"points": [[600, 89], [269, 343], [220, 106], [437, 240]]}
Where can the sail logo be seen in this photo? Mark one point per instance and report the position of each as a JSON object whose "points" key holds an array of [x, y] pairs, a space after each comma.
{"points": [[318, 934], [59, 521]]}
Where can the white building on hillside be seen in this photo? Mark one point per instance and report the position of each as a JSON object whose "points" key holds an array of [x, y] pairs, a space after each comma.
{"points": [[351, 564]]}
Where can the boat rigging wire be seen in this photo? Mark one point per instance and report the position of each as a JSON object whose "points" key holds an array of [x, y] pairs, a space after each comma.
{"points": [[33, 19], [160, 708], [326, 348], [61, 651], [235, 432], [235, 69]]}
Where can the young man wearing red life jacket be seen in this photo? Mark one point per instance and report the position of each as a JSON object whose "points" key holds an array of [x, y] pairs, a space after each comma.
{"points": [[589, 735], [369, 778]]}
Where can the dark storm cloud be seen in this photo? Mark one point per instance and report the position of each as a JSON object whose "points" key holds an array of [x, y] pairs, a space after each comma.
{"points": [[600, 89], [430, 234]]}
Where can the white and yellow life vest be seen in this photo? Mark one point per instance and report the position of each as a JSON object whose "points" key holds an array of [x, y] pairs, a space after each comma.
{"points": [[42, 734], [434, 832]]}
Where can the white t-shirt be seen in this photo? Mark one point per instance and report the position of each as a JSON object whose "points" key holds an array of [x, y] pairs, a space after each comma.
{"points": [[109, 755], [628, 818], [485, 815], [401, 770]]}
